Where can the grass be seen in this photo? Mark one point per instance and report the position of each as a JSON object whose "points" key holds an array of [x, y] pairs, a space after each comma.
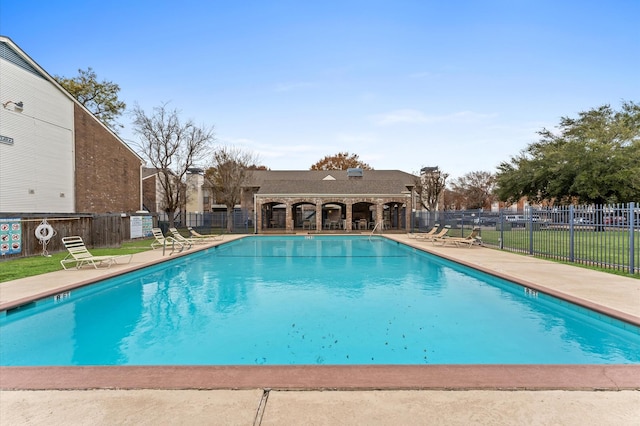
{"points": [[23, 267], [593, 250], [544, 242]]}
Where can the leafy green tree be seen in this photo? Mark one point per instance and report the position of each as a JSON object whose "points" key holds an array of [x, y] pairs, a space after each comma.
{"points": [[99, 97], [340, 161], [594, 158]]}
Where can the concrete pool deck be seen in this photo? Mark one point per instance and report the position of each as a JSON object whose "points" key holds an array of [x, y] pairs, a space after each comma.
{"points": [[338, 394]]}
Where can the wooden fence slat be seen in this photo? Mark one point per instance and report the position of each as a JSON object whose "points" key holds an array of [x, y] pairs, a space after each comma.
{"points": [[97, 231]]}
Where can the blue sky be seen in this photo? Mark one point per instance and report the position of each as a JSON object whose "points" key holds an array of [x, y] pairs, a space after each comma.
{"points": [[462, 85]]}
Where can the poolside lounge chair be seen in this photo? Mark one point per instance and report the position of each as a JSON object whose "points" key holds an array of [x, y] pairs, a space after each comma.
{"points": [[212, 237], [431, 232], [162, 241], [184, 240], [469, 240], [435, 236], [80, 255]]}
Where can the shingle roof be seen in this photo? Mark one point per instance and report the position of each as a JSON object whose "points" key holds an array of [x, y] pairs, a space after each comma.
{"points": [[314, 182]]}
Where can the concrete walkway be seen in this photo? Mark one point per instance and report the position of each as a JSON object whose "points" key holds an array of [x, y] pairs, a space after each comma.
{"points": [[616, 295]]}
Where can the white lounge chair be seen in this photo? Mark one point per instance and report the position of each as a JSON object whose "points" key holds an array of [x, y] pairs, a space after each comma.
{"points": [[436, 236], [184, 240], [418, 235], [162, 241], [80, 255], [212, 237], [469, 240]]}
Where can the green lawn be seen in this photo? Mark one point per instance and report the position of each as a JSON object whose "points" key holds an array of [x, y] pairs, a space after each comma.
{"points": [[607, 247], [35, 265], [587, 244]]}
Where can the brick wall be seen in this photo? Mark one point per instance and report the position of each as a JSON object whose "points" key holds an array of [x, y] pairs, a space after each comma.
{"points": [[149, 193], [107, 173]]}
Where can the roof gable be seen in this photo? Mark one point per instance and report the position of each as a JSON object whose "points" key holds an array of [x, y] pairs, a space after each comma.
{"points": [[10, 52], [315, 182]]}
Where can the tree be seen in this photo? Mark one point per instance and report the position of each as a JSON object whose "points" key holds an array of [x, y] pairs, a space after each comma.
{"points": [[594, 158], [474, 190], [99, 97], [429, 186], [171, 147], [258, 167], [230, 168], [340, 161]]}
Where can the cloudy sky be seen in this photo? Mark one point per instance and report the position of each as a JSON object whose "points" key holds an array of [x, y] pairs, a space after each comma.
{"points": [[460, 84]]}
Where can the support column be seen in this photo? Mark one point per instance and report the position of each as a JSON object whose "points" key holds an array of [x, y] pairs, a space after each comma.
{"points": [[379, 215], [408, 212], [349, 216], [288, 217], [258, 209], [318, 215]]}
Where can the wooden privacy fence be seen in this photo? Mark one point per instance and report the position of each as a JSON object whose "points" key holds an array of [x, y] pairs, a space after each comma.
{"points": [[97, 230]]}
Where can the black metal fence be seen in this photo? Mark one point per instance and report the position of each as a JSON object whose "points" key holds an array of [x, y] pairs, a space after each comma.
{"points": [[210, 222], [606, 236]]}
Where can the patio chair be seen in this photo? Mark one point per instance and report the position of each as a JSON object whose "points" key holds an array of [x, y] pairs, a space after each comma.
{"points": [[469, 240], [80, 255], [435, 236], [184, 240], [211, 237], [431, 232], [162, 241]]}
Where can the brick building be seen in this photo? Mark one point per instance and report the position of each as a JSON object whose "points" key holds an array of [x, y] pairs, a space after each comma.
{"points": [[350, 200], [55, 155]]}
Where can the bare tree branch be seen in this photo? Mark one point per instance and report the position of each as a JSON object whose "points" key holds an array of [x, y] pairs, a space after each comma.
{"points": [[172, 148], [230, 168]]}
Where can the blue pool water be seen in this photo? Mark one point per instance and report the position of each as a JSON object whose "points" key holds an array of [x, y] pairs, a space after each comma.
{"points": [[310, 300]]}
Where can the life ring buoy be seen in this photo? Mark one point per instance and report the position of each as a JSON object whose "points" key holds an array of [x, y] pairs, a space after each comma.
{"points": [[44, 232]]}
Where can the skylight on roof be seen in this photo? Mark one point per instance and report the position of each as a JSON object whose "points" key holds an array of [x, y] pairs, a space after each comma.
{"points": [[355, 172]]}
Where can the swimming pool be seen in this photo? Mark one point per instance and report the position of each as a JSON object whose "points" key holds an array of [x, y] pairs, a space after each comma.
{"points": [[310, 300]]}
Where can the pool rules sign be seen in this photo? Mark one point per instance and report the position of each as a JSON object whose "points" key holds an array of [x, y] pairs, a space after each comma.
{"points": [[140, 226], [10, 236]]}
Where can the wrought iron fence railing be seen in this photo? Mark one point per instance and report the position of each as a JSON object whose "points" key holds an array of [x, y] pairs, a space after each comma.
{"points": [[215, 222], [606, 236]]}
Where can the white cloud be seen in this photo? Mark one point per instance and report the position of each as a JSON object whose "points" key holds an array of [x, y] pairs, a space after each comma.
{"points": [[415, 116]]}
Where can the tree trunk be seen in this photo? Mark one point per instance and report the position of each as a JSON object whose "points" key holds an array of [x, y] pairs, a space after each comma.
{"points": [[170, 217], [229, 219]]}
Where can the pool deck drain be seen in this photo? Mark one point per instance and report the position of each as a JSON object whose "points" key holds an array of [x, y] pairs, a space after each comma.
{"points": [[404, 385]]}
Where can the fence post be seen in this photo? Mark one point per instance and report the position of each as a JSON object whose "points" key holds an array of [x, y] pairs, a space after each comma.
{"points": [[632, 219], [571, 235], [501, 230], [530, 211]]}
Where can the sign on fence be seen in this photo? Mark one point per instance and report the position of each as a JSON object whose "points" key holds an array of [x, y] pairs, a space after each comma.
{"points": [[10, 236], [141, 226]]}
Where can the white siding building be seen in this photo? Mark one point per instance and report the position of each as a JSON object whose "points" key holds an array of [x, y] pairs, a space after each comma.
{"points": [[55, 155], [36, 143]]}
